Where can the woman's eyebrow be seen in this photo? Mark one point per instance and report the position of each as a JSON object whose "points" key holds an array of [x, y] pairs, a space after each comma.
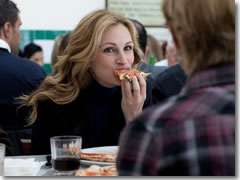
{"points": [[114, 44], [108, 43]]}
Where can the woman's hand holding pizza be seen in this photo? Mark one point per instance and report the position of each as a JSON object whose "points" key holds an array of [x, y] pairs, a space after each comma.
{"points": [[133, 96]]}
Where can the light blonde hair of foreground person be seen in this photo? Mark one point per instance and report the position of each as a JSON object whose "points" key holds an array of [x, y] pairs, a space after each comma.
{"points": [[73, 69], [205, 31]]}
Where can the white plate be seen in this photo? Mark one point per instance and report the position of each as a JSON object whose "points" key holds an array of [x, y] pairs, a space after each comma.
{"points": [[103, 149]]}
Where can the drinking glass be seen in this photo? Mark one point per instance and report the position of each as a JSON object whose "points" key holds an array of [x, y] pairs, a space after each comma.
{"points": [[2, 156], [65, 151]]}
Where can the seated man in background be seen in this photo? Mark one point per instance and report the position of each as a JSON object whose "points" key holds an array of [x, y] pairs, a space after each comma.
{"points": [[171, 81], [165, 81], [17, 75], [193, 133], [142, 40]]}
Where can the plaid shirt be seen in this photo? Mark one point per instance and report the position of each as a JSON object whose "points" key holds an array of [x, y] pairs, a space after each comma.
{"points": [[192, 133]]}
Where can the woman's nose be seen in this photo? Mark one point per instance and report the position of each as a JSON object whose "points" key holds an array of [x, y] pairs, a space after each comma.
{"points": [[121, 58]]}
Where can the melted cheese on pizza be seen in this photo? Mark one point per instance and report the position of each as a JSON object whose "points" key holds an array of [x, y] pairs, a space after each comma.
{"points": [[127, 74]]}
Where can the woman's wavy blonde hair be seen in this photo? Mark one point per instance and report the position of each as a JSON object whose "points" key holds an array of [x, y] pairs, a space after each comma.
{"points": [[205, 31], [73, 73]]}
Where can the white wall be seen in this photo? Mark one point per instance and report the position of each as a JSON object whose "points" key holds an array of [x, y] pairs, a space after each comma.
{"points": [[63, 15], [55, 14]]}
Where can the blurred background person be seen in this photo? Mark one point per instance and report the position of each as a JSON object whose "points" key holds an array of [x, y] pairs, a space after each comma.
{"points": [[64, 43], [61, 44], [55, 50], [142, 40], [192, 133], [33, 52], [17, 76], [171, 81], [153, 49], [85, 97], [165, 81]]}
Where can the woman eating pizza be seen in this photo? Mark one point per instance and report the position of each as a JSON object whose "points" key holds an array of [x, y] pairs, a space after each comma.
{"points": [[86, 96]]}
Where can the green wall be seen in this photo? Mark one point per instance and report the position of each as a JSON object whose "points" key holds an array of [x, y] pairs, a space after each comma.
{"points": [[28, 36]]}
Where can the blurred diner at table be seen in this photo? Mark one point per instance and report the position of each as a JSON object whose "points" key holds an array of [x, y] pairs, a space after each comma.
{"points": [[192, 133]]}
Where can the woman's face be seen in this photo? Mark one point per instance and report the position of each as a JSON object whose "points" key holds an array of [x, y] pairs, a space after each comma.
{"points": [[37, 57], [116, 53]]}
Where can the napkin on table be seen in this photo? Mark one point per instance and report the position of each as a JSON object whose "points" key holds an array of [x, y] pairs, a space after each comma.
{"points": [[22, 167]]}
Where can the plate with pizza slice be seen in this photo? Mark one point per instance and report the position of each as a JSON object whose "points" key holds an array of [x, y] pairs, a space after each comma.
{"points": [[102, 156]]}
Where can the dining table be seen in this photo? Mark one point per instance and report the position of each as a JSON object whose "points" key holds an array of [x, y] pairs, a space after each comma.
{"points": [[45, 169]]}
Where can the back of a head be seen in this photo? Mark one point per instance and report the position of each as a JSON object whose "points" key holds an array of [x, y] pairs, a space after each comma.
{"points": [[63, 44], [30, 49], [142, 34], [154, 48], [60, 45], [57, 42], [8, 13], [205, 31]]}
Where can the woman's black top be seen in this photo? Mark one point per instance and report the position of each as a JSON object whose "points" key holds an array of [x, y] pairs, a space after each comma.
{"points": [[96, 116]]}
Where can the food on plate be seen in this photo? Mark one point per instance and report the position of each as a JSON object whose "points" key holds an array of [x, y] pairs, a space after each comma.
{"points": [[127, 74], [99, 157], [95, 170]]}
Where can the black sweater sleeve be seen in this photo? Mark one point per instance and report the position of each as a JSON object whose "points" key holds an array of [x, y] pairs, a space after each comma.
{"points": [[44, 127]]}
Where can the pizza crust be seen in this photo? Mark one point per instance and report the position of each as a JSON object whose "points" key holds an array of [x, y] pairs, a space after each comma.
{"points": [[99, 157], [95, 170]]}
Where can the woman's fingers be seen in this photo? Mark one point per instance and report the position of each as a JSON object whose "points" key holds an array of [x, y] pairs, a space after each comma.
{"points": [[133, 97], [126, 89], [135, 86], [142, 85]]}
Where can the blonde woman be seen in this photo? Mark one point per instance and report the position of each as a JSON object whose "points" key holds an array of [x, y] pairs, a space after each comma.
{"points": [[192, 133], [85, 97]]}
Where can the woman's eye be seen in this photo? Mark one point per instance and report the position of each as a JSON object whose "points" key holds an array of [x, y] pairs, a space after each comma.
{"points": [[108, 50], [128, 48]]}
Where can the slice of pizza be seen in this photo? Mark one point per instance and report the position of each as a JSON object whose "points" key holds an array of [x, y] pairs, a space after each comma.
{"points": [[99, 157], [127, 74], [95, 170]]}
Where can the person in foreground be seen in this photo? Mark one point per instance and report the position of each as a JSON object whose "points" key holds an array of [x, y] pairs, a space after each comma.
{"points": [[192, 133], [85, 97]]}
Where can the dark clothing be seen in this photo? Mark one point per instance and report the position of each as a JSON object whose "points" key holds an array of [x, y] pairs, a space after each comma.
{"points": [[96, 116], [155, 70], [18, 76], [5, 140], [168, 83], [192, 133]]}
